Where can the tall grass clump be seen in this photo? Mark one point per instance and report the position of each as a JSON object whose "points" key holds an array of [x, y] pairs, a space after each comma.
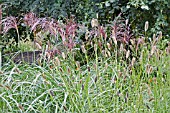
{"points": [[111, 70]]}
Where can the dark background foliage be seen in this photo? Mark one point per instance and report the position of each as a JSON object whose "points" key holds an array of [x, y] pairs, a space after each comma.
{"points": [[137, 11]]}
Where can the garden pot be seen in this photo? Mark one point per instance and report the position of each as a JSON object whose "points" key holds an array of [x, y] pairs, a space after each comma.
{"points": [[29, 56]]}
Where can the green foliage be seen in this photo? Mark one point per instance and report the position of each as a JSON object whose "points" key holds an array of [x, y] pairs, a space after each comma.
{"points": [[17, 7], [154, 11], [82, 9], [51, 8], [137, 11], [122, 73]]}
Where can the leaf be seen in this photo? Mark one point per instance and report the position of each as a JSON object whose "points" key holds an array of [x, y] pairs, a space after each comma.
{"points": [[145, 7], [107, 4], [111, 1], [128, 6]]}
